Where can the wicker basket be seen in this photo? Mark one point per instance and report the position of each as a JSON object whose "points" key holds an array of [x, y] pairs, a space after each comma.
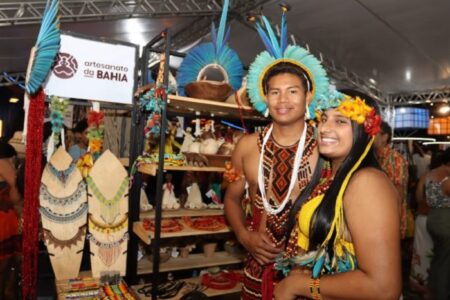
{"points": [[208, 90]]}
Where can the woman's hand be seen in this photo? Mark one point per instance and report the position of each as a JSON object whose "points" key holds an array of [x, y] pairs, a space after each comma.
{"points": [[292, 286]]}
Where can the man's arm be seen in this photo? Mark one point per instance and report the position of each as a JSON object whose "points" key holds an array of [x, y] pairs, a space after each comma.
{"points": [[257, 243], [235, 192]]}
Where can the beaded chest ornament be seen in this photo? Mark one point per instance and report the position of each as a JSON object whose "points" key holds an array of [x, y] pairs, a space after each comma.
{"points": [[110, 206]]}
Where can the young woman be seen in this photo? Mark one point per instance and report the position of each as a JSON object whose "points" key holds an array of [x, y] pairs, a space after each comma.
{"points": [[10, 239], [345, 243]]}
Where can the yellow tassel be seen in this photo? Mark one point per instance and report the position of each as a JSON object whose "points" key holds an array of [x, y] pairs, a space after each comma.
{"points": [[339, 211]]}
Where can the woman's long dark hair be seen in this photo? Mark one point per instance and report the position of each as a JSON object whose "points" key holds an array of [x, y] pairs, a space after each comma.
{"points": [[324, 215]]}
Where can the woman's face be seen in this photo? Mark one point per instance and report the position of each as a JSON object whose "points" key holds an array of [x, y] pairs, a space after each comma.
{"points": [[335, 135]]}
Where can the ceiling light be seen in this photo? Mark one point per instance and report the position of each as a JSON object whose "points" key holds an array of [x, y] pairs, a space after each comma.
{"points": [[428, 101], [444, 109], [436, 143], [372, 81], [13, 100], [431, 104], [408, 75], [425, 139]]}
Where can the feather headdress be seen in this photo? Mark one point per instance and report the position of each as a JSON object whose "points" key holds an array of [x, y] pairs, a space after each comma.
{"points": [[278, 51], [216, 52], [41, 61]]}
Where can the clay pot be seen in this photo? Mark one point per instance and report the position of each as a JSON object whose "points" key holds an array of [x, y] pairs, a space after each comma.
{"points": [[209, 249], [184, 252]]}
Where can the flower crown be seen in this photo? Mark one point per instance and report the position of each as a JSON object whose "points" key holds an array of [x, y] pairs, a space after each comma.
{"points": [[357, 110]]}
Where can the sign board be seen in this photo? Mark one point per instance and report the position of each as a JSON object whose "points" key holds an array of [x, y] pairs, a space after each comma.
{"points": [[93, 70]]}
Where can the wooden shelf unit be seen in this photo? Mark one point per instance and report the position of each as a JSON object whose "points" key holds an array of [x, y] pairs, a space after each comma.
{"points": [[193, 261], [151, 169], [183, 212], [180, 104], [195, 280], [146, 236]]}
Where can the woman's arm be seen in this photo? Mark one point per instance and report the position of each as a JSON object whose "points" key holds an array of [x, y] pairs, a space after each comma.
{"points": [[8, 173], [371, 212]]}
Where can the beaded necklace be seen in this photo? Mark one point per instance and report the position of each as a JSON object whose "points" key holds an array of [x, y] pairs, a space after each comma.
{"points": [[108, 252], [62, 175], [45, 195], [96, 226], [64, 218], [50, 239], [111, 206], [274, 160], [298, 158]]}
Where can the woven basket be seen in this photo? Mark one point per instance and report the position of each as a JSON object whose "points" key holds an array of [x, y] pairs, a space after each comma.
{"points": [[209, 90]]}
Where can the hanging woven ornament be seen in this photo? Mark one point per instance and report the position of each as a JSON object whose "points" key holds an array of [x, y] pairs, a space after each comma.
{"points": [[42, 58], [211, 70], [58, 107]]}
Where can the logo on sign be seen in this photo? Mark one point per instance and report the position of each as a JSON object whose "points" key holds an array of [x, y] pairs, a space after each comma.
{"points": [[66, 66]]}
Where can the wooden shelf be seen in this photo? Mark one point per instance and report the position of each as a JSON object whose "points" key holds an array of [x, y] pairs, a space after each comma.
{"points": [[189, 105], [193, 261], [195, 280], [146, 236], [151, 169], [178, 213]]}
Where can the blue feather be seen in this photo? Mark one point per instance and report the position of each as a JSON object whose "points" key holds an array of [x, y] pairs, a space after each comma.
{"points": [[223, 21], [265, 39], [283, 33], [214, 34], [318, 266], [227, 36], [46, 48], [273, 38]]}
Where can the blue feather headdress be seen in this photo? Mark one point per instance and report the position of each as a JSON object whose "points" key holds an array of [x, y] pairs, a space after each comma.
{"points": [[46, 48], [278, 51], [215, 52]]}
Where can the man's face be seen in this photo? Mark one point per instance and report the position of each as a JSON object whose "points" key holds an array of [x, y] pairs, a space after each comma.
{"points": [[286, 98], [82, 137]]}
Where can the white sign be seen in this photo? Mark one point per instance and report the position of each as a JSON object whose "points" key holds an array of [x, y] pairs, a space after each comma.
{"points": [[93, 70]]}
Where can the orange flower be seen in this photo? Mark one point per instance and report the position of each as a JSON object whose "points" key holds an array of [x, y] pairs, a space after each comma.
{"points": [[95, 145]]}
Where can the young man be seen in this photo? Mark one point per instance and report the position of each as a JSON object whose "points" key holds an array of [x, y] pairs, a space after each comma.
{"points": [[395, 167], [278, 163], [82, 141]]}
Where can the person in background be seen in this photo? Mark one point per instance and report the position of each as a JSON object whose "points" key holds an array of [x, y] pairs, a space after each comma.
{"points": [[423, 244], [10, 238], [396, 168], [437, 191], [346, 235], [421, 159], [81, 140]]}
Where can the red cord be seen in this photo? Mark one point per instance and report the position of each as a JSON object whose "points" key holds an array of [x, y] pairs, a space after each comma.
{"points": [[33, 162]]}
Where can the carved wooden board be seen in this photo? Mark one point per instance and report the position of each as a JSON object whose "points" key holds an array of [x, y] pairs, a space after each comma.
{"points": [[63, 210], [108, 210]]}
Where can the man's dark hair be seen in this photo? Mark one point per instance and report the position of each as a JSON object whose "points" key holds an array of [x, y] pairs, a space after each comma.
{"points": [[286, 67], [6, 150], [81, 126], [386, 129]]}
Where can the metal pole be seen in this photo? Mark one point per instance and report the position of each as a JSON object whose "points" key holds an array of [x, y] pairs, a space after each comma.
{"points": [[159, 179]]}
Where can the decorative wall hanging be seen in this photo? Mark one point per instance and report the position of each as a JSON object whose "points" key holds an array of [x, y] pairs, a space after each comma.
{"points": [[108, 208], [64, 210], [58, 107], [42, 58]]}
